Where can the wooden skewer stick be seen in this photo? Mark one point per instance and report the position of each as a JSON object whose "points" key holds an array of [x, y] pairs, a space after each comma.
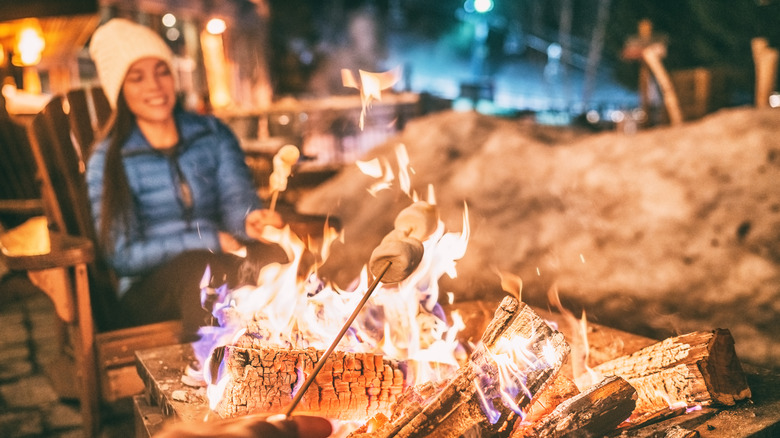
{"points": [[336, 341], [274, 197]]}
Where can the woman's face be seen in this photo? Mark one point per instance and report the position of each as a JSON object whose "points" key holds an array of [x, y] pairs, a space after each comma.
{"points": [[149, 90]]}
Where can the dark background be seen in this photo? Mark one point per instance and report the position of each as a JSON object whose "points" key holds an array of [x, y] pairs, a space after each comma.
{"points": [[712, 33]]}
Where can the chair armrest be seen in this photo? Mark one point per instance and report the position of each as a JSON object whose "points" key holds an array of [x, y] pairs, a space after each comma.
{"points": [[66, 250], [25, 207]]}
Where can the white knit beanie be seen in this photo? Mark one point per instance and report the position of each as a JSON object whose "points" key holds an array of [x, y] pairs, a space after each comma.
{"points": [[116, 45]]}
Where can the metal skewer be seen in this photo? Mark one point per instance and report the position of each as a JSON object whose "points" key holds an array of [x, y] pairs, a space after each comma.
{"points": [[321, 362]]}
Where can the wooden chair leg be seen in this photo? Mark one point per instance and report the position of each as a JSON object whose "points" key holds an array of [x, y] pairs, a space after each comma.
{"points": [[85, 354]]}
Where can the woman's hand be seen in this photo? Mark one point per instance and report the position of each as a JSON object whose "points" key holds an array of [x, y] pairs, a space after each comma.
{"points": [[228, 243], [298, 426], [256, 220]]}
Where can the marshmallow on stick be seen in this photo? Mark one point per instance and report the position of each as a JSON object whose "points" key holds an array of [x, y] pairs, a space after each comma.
{"points": [[404, 254], [403, 247], [418, 220], [283, 162]]}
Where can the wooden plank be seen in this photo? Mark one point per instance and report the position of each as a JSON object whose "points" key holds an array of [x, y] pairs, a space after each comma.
{"points": [[161, 370], [148, 419]]}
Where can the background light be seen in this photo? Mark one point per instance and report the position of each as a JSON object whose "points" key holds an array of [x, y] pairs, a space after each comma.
{"points": [[172, 34], [216, 26], [169, 20], [483, 6], [30, 46]]}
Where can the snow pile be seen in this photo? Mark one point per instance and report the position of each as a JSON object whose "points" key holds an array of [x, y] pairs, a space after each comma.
{"points": [[670, 230]]}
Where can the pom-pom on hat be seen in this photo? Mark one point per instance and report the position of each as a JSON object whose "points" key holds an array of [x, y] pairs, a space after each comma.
{"points": [[116, 45]]}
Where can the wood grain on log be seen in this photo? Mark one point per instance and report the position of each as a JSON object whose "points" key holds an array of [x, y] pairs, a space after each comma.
{"points": [[695, 368], [561, 389], [350, 386], [594, 412]]}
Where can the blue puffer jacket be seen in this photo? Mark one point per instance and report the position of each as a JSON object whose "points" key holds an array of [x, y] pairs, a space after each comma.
{"points": [[210, 161]]}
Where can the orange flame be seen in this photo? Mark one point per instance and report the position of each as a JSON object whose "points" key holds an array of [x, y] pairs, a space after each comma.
{"points": [[294, 309], [370, 86], [584, 375]]}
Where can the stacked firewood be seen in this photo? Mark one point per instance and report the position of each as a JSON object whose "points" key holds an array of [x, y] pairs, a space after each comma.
{"points": [[656, 382], [696, 369]]}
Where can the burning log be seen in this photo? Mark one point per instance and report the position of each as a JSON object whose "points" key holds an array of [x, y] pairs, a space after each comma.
{"points": [[595, 412], [479, 394], [695, 368], [561, 389], [350, 386]]}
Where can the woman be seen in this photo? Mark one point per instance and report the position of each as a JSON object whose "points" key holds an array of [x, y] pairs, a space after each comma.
{"points": [[170, 191]]}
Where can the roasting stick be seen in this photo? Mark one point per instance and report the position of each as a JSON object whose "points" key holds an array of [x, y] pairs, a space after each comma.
{"points": [[274, 197], [336, 341]]}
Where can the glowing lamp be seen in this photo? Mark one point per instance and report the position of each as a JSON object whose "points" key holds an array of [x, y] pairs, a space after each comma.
{"points": [[29, 47]]}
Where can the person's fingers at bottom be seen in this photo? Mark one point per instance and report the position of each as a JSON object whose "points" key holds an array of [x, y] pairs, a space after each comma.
{"points": [[313, 427], [303, 426]]}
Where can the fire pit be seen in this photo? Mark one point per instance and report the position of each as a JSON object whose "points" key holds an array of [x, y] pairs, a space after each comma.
{"points": [[168, 398], [511, 372]]}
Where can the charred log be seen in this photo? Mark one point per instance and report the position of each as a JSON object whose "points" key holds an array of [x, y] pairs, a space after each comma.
{"points": [[461, 404], [595, 412], [561, 389], [350, 386]]}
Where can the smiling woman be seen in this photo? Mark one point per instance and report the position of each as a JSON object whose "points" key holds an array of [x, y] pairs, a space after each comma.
{"points": [[150, 94], [170, 190]]}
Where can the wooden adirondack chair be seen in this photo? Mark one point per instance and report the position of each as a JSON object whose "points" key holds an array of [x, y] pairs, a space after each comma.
{"points": [[74, 277]]}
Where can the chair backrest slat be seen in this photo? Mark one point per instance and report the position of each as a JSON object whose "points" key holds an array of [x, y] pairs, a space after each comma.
{"points": [[51, 136], [92, 112], [65, 194], [18, 172]]}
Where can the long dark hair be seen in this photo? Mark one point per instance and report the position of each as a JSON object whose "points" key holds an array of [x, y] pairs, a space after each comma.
{"points": [[117, 203]]}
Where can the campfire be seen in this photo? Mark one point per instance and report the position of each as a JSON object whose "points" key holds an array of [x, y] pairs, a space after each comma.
{"points": [[400, 369]]}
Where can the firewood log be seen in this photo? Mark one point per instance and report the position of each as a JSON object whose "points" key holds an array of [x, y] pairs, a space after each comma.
{"points": [[350, 386], [460, 404], [561, 389], [695, 368], [592, 413]]}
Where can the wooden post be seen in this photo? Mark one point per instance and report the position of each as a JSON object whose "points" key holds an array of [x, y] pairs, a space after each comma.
{"points": [[765, 61], [652, 58]]}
